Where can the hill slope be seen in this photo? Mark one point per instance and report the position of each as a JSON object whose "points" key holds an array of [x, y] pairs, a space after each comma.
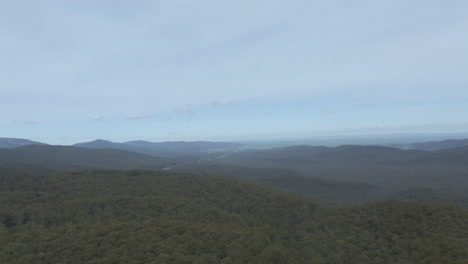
{"points": [[389, 168], [340, 192], [453, 156], [72, 158]]}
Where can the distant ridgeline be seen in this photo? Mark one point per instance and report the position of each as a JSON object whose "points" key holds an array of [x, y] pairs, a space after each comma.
{"points": [[345, 175], [109, 216], [16, 142]]}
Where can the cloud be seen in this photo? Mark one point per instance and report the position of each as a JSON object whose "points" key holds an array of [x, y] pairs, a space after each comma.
{"points": [[160, 118], [25, 122], [98, 118], [220, 103], [185, 113], [139, 117]]}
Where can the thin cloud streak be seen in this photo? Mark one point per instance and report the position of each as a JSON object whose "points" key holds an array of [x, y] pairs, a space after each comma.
{"points": [[140, 117], [220, 103], [98, 118]]}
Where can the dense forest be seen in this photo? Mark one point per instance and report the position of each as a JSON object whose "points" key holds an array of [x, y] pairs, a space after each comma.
{"points": [[109, 216]]}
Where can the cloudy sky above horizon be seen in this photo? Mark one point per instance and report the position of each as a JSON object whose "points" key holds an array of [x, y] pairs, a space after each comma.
{"points": [[73, 71]]}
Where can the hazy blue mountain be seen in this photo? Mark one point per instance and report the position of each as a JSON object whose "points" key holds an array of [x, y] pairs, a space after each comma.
{"points": [[344, 155], [322, 155], [99, 143], [16, 142], [74, 158], [438, 145], [190, 150], [400, 139], [196, 145]]}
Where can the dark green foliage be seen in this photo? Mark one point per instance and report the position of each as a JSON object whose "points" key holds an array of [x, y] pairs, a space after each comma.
{"points": [[432, 195], [114, 217], [334, 191], [394, 232], [155, 217]]}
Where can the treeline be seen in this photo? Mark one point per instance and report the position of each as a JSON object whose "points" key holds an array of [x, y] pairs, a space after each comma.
{"points": [[156, 217]]}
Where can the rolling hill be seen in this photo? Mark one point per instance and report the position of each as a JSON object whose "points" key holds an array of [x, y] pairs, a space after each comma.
{"points": [[344, 175], [60, 158], [390, 169], [339, 192], [455, 156], [346, 154]]}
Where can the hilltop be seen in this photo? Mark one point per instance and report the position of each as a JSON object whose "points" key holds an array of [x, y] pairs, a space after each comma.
{"points": [[17, 142]]}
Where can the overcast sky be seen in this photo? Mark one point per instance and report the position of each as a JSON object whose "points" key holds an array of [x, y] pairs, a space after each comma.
{"points": [[73, 71]]}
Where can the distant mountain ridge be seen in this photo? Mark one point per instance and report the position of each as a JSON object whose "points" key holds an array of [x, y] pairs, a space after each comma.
{"points": [[312, 154], [439, 145], [17, 142], [165, 149], [346, 154], [344, 174]]}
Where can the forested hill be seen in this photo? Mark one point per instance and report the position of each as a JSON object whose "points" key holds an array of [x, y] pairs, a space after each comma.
{"points": [[340, 192], [156, 217], [455, 156], [345, 175], [60, 158], [390, 170]]}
